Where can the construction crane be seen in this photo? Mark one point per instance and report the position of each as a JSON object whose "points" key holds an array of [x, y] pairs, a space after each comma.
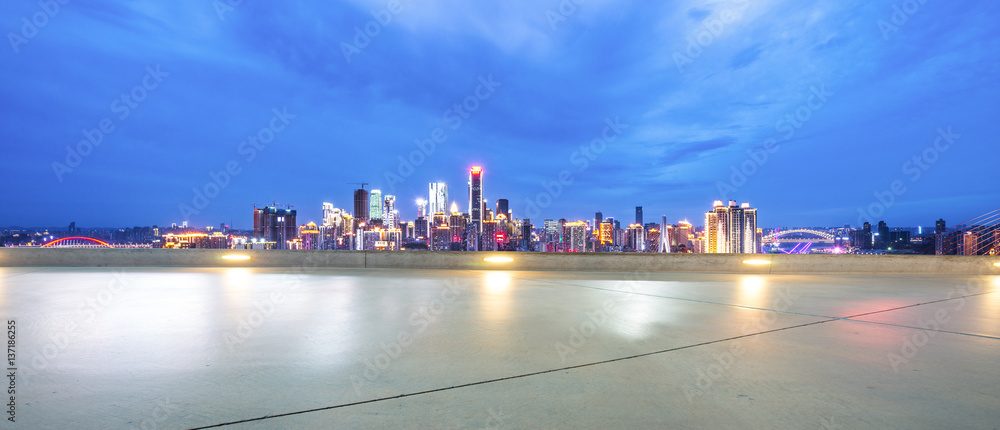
{"points": [[359, 183]]}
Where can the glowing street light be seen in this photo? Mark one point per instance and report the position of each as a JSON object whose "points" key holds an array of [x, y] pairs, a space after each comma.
{"points": [[757, 262], [498, 259]]}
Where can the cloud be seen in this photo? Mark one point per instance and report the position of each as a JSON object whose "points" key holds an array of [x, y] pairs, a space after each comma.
{"points": [[746, 57]]}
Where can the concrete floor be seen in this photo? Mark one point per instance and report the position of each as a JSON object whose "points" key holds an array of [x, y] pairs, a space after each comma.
{"points": [[365, 348]]}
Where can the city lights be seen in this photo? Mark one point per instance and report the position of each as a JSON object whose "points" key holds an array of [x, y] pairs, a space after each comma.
{"points": [[236, 257]]}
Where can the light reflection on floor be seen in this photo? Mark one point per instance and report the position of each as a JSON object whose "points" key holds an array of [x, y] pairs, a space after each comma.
{"points": [[232, 344]]}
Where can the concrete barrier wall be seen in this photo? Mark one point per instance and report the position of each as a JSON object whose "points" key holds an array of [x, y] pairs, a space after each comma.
{"points": [[600, 262]]}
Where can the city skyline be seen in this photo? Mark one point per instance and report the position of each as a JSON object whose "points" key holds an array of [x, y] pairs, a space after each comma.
{"points": [[823, 113]]}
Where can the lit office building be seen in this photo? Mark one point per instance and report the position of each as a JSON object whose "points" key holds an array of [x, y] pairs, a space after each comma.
{"points": [[653, 239], [527, 241], [456, 222], [196, 241], [438, 194], [604, 232], [275, 225], [309, 236], [490, 236], [732, 229], [476, 208], [575, 236], [420, 230], [375, 206], [328, 213], [440, 237], [380, 240], [411, 230], [635, 238], [421, 208], [393, 239], [968, 243], [389, 214]]}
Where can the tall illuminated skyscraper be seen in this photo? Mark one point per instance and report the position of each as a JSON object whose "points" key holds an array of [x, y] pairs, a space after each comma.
{"points": [[327, 213], [731, 229], [389, 212], [375, 205], [575, 236], [438, 197], [476, 199], [421, 208]]}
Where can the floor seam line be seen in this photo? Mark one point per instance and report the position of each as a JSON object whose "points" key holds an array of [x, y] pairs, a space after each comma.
{"points": [[507, 378]]}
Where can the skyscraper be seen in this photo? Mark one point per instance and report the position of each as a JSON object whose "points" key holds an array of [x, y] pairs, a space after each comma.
{"points": [[361, 205], [940, 226], [438, 197], [421, 208], [375, 205], [503, 208], [476, 199], [389, 214], [882, 236], [575, 234], [731, 229], [327, 213], [638, 215], [635, 238], [275, 225], [968, 243]]}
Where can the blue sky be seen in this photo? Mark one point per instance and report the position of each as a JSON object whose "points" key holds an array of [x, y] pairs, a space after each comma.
{"points": [[844, 95]]}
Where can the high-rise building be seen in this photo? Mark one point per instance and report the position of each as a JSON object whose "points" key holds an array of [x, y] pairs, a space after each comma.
{"points": [[503, 208], [638, 215], [683, 234], [968, 243], [375, 206], [940, 226], [882, 235], [421, 208], [732, 229], [476, 208], [389, 214], [440, 237], [862, 238], [456, 222], [527, 243], [490, 236], [275, 225], [327, 213], [420, 230], [575, 234], [361, 205], [604, 232], [438, 197], [635, 238], [598, 219], [309, 236]]}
